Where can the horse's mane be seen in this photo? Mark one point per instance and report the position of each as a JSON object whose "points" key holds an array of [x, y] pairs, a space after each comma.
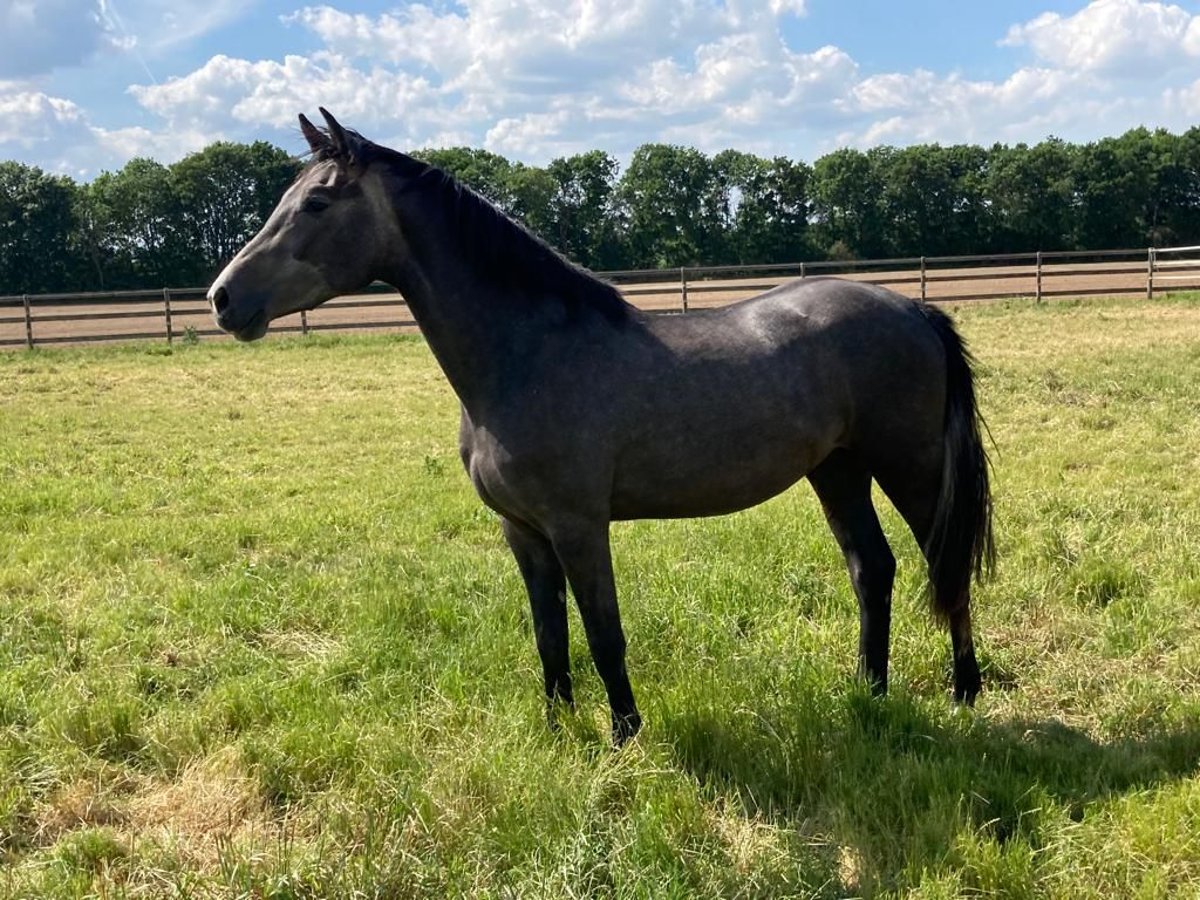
{"points": [[502, 250]]}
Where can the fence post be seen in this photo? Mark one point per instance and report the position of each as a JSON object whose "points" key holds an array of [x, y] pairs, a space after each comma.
{"points": [[167, 314], [1149, 273], [683, 288], [922, 279], [28, 322], [802, 275], [1038, 283], [304, 322]]}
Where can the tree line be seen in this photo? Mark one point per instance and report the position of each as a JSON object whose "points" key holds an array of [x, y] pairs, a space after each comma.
{"points": [[150, 225]]}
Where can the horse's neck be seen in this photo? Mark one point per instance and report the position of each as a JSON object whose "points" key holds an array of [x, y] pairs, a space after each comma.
{"points": [[469, 329]]}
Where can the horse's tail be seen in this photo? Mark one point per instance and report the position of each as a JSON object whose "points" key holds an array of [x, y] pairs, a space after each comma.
{"points": [[960, 544]]}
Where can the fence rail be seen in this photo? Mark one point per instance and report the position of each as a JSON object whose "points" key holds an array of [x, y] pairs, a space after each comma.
{"points": [[171, 313]]}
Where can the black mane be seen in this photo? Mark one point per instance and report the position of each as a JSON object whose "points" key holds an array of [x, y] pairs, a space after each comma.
{"points": [[501, 249]]}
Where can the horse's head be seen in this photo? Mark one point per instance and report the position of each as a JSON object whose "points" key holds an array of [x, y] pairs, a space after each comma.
{"points": [[328, 236]]}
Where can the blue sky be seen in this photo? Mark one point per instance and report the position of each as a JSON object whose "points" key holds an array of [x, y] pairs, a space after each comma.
{"points": [[87, 84]]}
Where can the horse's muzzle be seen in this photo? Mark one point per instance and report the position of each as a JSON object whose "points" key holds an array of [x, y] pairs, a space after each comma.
{"points": [[234, 321]]}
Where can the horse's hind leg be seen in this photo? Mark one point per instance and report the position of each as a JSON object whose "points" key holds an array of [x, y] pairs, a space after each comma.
{"points": [[915, 498], [843, 486], [544, 580], [967, 680]]}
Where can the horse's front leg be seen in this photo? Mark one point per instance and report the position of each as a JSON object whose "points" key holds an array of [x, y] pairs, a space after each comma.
{"points": [[583, 550], [543, 576]]}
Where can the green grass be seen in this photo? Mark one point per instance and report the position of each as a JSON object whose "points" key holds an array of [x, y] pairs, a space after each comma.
{"points": [[258, 638]]}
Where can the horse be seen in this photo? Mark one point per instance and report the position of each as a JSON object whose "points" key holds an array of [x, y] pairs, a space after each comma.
{"points": [[578, 409]]}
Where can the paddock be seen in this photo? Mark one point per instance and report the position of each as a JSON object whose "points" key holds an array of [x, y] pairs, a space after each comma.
{"points": [[261, 638]]}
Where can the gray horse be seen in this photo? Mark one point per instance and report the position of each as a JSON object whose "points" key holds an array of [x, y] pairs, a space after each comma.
{"points": [[578, 409]]}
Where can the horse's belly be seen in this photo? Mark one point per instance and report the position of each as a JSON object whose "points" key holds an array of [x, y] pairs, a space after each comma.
{"points": [[700, 479], [685, 501]]}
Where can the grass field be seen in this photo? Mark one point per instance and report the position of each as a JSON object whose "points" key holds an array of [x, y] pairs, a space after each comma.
{"points": [[258, 638]]}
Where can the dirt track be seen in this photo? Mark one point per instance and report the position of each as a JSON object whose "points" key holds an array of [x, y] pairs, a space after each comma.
{"points": [[385, 312]]}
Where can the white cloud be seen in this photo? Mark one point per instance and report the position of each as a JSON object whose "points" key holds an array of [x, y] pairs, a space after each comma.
{"points": [[534, 80], [539, 80], [67, 141], [925, 107], [924, 92], [498, 52], [417, 35], [1125, 38], [1081, 89], [227, 91], [37, 36], [786, 7], [1185, 101], [531, 79], [162, 25], [122, 144], [532, 135], [40, 36], [749, 91], [29, 118]]}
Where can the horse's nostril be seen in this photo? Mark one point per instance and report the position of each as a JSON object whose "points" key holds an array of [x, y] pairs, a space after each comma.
{"points": [[220, 300]]}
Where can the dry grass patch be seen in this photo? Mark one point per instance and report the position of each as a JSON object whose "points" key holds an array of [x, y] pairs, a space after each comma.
{"points": [[94, 802], [301, 644], [214, 803], [751, 842], [214, 807]]}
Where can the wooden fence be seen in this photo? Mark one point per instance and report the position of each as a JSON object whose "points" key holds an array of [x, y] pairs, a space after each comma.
{"points": [[174, 313]]}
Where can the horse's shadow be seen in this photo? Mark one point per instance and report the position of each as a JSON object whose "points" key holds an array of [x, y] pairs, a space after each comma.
{"points": [[887, 789]]}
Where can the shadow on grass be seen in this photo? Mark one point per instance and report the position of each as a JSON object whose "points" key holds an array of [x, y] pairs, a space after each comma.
{"points": [[898, 788]]}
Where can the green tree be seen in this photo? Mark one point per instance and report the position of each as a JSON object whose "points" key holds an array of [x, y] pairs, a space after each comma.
{"points": [[587, 223], [1107, 196], [1181, 215], [140, 209], [970, 228], [532, 191], [92, 239], [769, 208], [676, 206], [226, 192], [486, 173], [1032, 195], [147, 225], [932, 199], [1164, 177], [846, 203], [38, 249]]}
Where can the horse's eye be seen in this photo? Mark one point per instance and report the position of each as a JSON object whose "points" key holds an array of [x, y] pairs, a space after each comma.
{"points": [[315, 204]]}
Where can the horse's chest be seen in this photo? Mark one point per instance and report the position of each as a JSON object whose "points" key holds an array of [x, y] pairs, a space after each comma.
{"points": [[488, 482], [506, 480]]}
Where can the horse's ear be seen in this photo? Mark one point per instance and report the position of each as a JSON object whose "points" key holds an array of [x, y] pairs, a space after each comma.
{"points": [[345, 145], [317, 140]]}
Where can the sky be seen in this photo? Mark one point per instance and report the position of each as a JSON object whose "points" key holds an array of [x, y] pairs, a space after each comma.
{"points": [[85, 85]]}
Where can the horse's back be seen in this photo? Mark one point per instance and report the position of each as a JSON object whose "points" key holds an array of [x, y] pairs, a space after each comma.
{"points": [[827, 303], [826, 333], [732, 405]]}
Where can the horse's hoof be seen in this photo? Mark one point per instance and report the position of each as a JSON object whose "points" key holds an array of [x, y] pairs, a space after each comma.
{"points": [[965, 700], [625, 727], [553, 706], [966, 694]]}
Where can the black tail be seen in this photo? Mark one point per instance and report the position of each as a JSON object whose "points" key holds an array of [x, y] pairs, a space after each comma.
{"points": [[960, 544]]}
